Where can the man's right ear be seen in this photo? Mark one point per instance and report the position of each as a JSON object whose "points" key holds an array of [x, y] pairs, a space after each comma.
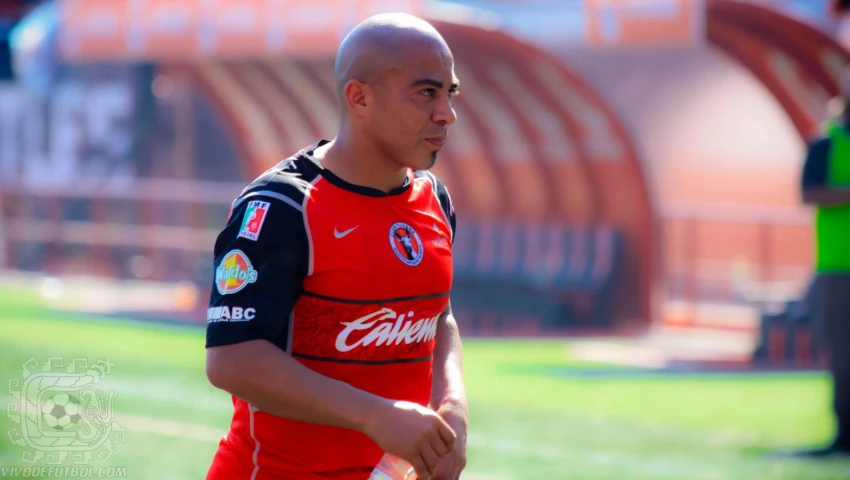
{"points": [[357, 96]]}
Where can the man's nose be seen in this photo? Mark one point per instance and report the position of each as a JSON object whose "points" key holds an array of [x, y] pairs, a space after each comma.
{"points": [[445, 114]]}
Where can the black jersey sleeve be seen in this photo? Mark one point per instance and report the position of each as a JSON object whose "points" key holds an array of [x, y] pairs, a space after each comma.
{"points": [[260, 263]]}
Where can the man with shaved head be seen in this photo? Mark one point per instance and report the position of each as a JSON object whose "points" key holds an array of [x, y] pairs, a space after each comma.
{"points": [[394, 84], [330, 322]]}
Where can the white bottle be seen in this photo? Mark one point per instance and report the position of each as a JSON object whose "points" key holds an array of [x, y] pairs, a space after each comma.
{"points": [[393, 468]]}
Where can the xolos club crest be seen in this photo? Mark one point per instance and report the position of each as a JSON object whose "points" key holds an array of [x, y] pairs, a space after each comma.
{"points": [[234, 273], [406, 243]]}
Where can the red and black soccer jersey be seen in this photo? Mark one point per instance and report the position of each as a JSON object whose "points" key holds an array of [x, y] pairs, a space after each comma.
{"points": [[348, 280]]}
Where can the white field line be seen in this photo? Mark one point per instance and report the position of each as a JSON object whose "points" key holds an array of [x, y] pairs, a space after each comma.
{"points": [[169, 428], [169, 392], [624, 460]]}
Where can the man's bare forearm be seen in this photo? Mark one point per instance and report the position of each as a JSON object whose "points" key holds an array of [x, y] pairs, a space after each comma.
{"points": [[448, 383], [263, 375], [826, 196]]}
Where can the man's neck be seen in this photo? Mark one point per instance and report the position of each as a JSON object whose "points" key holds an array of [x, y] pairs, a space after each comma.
{"points": [[360, 164]]}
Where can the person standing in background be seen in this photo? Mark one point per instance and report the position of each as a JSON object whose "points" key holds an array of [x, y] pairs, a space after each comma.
{"points": [[826, 186]]}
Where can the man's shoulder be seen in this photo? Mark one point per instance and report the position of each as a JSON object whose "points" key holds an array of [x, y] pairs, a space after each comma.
{"points": [[269, 210], [437, 185], [287, 182], [442, 194]]}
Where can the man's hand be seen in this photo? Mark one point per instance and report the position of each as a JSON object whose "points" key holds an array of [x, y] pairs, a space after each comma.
{"points": [[451, 466], [413, 433]]}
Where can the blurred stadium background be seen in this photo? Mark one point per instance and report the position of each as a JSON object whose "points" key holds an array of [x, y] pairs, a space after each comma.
{"points": [[632, 257]]}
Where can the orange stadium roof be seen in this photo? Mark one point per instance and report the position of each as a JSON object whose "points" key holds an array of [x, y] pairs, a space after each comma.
{"points": [[535, 141]]}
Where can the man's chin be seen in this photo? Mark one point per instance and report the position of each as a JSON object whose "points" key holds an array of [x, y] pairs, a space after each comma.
{"points": [[425, 163], [432, 157]]}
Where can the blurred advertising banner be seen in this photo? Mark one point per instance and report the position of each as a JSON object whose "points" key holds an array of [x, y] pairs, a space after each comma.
{"points": [[624, 23], [140, 29], [85, 132], [121, 170]]}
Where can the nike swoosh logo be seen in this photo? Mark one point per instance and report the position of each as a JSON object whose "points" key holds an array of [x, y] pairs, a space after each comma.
{"points": [[339, 234]]}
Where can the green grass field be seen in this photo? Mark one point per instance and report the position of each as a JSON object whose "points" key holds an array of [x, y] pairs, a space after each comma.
{"points": [[533, 416]]}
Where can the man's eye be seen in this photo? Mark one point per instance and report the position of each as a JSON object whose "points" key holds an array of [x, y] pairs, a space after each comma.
{"points": [[429, 92]]}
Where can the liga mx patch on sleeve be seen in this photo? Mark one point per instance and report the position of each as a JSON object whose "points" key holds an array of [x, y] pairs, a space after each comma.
{"points": [[252, 223]]}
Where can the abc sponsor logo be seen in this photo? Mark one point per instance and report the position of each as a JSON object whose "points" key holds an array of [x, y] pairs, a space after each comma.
{"points": [[230, 314], [234, 273]]}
